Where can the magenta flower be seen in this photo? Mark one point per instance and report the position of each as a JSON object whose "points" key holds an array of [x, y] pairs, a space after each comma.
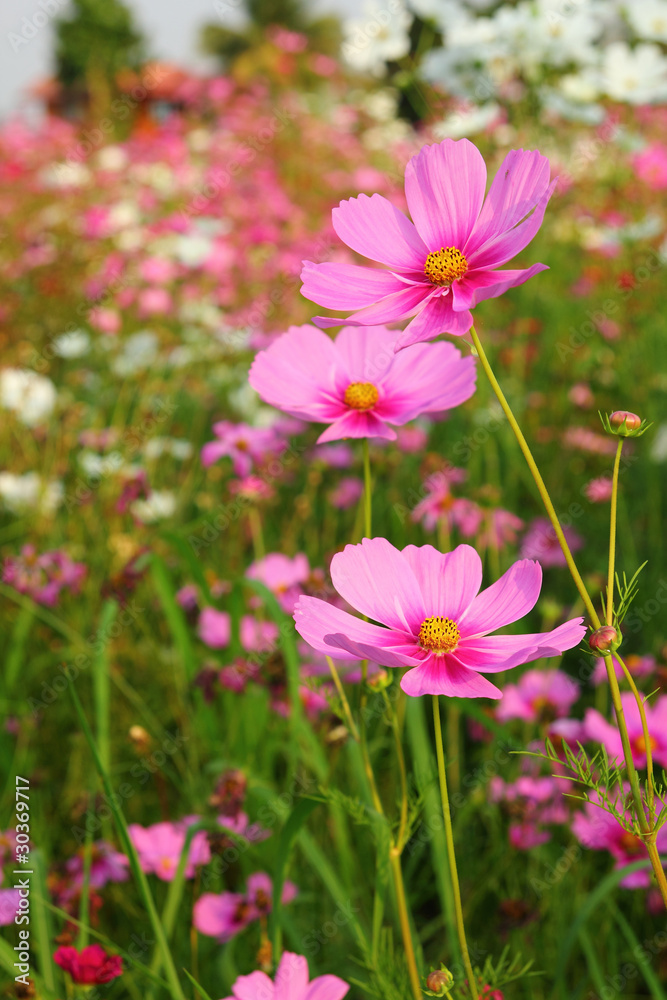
{"points": [[346, 493], [598, 490], [540, 696], [639, 666], [245, 445], [107, 865], [438, 502], [541, 542], [91, 965], [501, 528], [282, 575], [44, 576], [226, 914], [291, 983], [160, 846], [432, 617], [598, 830], [10, 901], [601, 731], [356, 383], [215, 629], [444, 262]]}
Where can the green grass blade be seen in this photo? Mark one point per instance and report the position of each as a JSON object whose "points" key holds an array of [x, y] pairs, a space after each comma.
{"points": [[175, 620], [638, 954], [20, 633], [101, 684], [128, 847], [295, 821], [200, 989], [40, 920]]}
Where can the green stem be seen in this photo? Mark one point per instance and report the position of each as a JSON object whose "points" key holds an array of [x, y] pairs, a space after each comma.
{"points": [[393, 721], [539, 482], [343, 697], [449, 836], [612, 535], [647, 736], [395, 859], [255, 522], [368, 490]]}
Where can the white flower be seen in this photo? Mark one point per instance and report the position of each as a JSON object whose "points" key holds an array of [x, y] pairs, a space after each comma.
{"points": [[467, 121], [192, 250], [658, 450], [379, 36], [177, 447], [638, 75], [159, 505], [30, 492], [96, 466], [74, 344], [66, 175], [139, 352], [112, 158], [648, 19], [32, 397]]}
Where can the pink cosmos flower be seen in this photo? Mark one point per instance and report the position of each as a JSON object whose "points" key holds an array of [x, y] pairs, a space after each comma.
{"points": [[226, 914], [444, 262], [435, 620], [160, 846], [540, 542], [291, 983], [500, 529], [598, 830], [356, 383], [601, 731], [107, 865], [438, 501], [540, 696], [44, 576], [215, 629], [91, 965], [651, 166], [639, 666], [9, 906], [533, 802], [598, 490], [346, 493], [245, 445], [282, 575]]}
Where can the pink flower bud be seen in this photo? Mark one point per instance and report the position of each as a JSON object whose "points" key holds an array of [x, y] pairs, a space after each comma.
{"points": [[604, 640], [624, 420], [440, 981]]}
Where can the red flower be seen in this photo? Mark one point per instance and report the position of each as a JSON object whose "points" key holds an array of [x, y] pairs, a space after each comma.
{"points": [[91, 965]]}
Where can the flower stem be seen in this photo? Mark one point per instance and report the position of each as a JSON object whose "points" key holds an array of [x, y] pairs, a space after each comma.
{"points": [[395, 860], [647, 736], [658, 870], [393, 721], [449, 837], [539, 482], [612, 535], [368, 490], [343, 697]]}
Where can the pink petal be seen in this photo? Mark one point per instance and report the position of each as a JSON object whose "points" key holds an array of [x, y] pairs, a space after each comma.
{"points": [[505, 601], [390, 309], [214, 628], [212, 451], [519, 185], [384, 656], [346, 286], [425, 378], [366, 354], [326, 988], [449, 581], [357, 424], [436, 317], [493, 653], [445, 675], [298, 373], [600, 731], [256, 986], [506, 245], [315, 619], [479, 285], [375, 229], [444, 188], [376, 579], [291, 979]]}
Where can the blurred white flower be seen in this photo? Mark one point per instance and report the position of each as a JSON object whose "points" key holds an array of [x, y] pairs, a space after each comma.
{"points": [[138, 353], [30, 492], [379, 35], [648, 19], [112, 158], [638, 75], [469, 120], [31, 396], [159, 505], [177, 447], [192, 250], [658, 450], [97, 466], [66, 175], [74, 344]]}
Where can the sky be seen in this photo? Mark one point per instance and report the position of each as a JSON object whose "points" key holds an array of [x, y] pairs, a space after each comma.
{"points": [[170, 27]]}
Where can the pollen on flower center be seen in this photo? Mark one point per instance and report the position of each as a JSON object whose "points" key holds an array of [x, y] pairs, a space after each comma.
{"points": [[439, 634], [445, 265], [361, 395]]}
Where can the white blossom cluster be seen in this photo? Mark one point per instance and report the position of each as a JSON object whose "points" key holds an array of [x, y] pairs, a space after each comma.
{"points": [[571, 53]]}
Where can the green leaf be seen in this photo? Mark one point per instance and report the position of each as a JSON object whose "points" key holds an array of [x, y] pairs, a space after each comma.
{"points": [[295, 821]]}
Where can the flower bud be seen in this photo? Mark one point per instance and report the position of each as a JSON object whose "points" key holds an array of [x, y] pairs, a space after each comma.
{"points": [[379, 681], [624, 424], [440, 981], [604, 640]]}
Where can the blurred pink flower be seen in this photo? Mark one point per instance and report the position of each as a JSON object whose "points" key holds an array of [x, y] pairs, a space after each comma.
{"points": [[438, 501], [215, 629], [346, 493], [606, 733], [91, 965], [436, 621], [9, 906], [412, 439], [245, 445], [540, 542], [540, 696], [43, 577], [291, 983], [282, 575], [500, 528], [107, 865], [160, 846], [443, 263], [598, 490], [651, 166], [356, 383], [226, 914], [105, 320], [639, 666]]}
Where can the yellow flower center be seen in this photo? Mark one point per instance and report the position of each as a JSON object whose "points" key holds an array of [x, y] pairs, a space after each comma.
{"points": [[439, 634], [361, 395], [445, 265], [639, 743]]}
